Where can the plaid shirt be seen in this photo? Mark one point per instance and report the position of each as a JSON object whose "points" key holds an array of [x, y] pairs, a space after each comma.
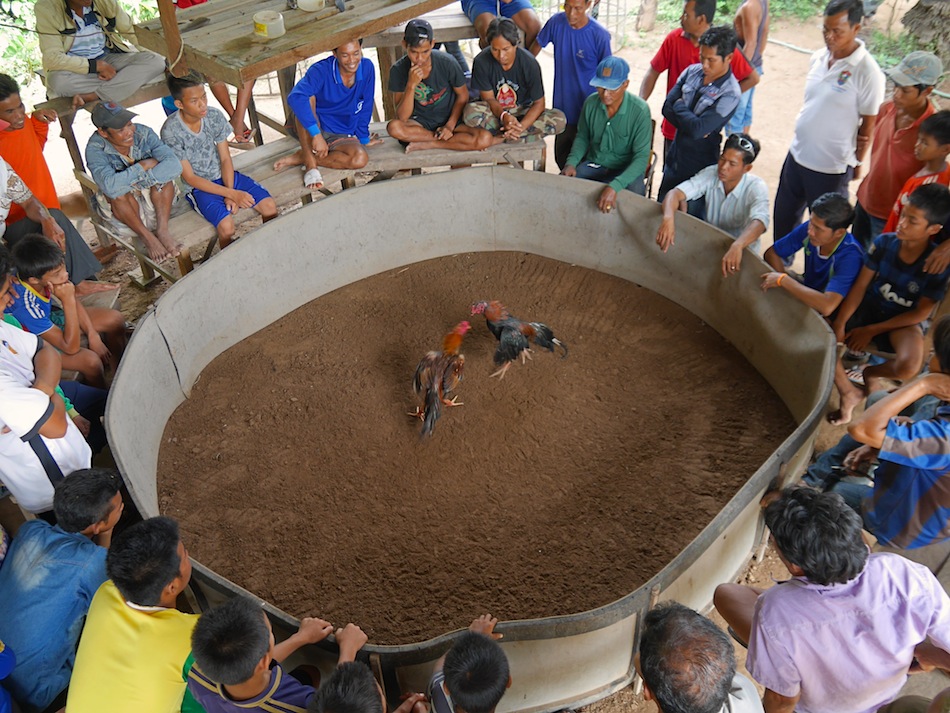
{"points": [[898, 287]]}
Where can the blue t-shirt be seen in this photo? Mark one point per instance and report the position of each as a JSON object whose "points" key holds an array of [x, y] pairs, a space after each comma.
{"points": [[834, 273], [340, 109], [898, 287], [47, 582], [910, 505], [285, 694], [31, 309], [576, 56], [7, 662]]}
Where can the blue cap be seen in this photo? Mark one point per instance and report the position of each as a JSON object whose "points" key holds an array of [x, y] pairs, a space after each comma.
{"points": [[611, 73]]}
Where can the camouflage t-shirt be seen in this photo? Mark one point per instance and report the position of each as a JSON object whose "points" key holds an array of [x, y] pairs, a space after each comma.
{"points": [[199, 149]]}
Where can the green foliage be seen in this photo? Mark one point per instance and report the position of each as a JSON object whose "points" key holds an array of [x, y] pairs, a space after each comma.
{"points": [[889, 48], [669, 11]]}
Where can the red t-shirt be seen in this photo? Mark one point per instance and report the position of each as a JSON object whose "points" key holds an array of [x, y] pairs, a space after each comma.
{"points": [[675, 54], [892, 160], [23, 150], [913, 183]]}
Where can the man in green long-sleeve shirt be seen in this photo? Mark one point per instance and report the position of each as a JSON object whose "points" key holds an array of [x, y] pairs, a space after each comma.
{"points": [[614, 135]]}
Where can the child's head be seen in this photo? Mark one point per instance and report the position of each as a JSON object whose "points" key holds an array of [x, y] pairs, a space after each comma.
{"points": [[831, 214], [233, 642], [933, 137], [88, 501], [941, 337], [39, 261], [148, 563], [476, 673], [925, 214], [189, 94], [12, 110], [350, 689], [7, 294]]}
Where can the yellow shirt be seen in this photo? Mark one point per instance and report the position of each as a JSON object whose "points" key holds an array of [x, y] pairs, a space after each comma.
{"points": [[130, 659]]}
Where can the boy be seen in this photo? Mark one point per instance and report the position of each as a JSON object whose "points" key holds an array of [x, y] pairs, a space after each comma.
{"points": [[430, 93], [932, 147], [199, 137], [41, 275], [351, 688], [43, 613], [833, 257], [892, 297], [473, 676], [237, 663]]}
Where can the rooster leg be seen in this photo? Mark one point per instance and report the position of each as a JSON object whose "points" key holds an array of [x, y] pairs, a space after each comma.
{"points": [[453, 402], [501, 372], [526, 354], [418, 413]]}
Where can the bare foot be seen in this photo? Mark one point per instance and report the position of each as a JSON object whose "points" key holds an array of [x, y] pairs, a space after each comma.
{"points": [[156, 250], [849, 401], [412, 146], [78, 102], [88, 287], [173, 246], [287, 161]]}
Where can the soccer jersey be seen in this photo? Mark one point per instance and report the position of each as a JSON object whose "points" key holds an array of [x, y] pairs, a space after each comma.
{"points": [[897, 287], [31, 309], [284, 694], [912, 184], [825, 273]]}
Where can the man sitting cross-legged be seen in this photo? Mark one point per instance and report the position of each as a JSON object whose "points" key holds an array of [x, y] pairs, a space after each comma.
{"points": [[332, 106], [127, 161], [430, 93]]}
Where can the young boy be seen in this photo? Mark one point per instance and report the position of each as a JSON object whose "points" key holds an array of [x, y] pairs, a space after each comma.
{"points": [[199, 137], [237, 663], [41, 275], [932, 147], [833, 257], [892, 297], [473, 676]]}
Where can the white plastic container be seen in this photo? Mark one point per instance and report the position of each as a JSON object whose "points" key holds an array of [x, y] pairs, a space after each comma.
{"points": [[310, 5], [269, 24]]}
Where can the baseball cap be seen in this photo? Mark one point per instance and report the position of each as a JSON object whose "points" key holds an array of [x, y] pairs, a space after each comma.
{"points": [[417, 30], [611, 73], [917, 68], [109, 115]]}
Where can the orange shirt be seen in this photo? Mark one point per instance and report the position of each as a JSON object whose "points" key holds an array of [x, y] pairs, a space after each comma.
{"points": [[23, 150], [913, 183]]}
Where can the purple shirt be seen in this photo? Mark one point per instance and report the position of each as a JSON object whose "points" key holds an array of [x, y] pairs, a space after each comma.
{"points": [[846, 648], [285, 694]]}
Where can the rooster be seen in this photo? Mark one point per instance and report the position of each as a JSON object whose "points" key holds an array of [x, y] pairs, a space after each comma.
{"points": [[513, 335], [438, 374]]}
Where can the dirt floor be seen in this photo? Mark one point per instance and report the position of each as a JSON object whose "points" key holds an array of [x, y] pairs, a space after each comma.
{"points": [[539, 497]]}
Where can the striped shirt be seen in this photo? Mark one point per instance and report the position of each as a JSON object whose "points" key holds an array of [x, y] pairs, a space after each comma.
{"points": [[748, 201], [284, 694], [89, 40], [910, 505]]}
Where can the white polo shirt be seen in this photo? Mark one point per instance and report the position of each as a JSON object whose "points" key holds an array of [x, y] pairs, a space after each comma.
{"points": [[836, 98], [748, 201], [24, 410]]}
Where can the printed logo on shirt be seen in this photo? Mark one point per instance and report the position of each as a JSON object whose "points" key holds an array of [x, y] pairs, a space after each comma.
{"points": [[12, 351], [580, 54], [359, 107], [843, 77], [424, 96], [506, 93], [887, 292]]}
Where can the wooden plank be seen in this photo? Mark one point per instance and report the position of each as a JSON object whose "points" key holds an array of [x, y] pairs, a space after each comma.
{"points": [[445, 28]]}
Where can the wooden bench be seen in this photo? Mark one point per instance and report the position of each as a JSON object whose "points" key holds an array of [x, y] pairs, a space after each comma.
{"points": [[287, 187]]}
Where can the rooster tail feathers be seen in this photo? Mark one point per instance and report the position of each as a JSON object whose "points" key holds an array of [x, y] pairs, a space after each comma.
{"points": [[544, 337], [432, 411]]}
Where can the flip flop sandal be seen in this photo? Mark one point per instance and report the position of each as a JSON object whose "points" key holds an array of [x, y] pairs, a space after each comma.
{"points": [[313, 177], [856, 375], [859, 357], [243, 145]]}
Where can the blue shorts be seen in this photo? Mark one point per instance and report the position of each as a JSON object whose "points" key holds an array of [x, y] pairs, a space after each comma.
{"points": [[211, 206], [474, 8]]}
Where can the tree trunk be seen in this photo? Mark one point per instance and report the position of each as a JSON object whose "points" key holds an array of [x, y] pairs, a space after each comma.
{"points": [[929, 21], [646, 16]]}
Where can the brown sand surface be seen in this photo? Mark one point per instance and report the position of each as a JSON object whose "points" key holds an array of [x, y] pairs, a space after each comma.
{"points": [[295, 471]]}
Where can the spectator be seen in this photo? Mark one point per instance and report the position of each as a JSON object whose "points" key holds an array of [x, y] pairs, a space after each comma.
{"points": [[893, 159], [687, 663], [843, 93], [841, 634], [736, 201], [752, 30], [705, 96], [833, 258], [129, 162], [473, 676], [83, 54], [579, 47], [614, 137], [48, 580]]}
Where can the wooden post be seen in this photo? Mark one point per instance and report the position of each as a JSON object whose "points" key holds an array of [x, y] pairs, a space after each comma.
{"points": [[166, 10], [387, 57], [646, 16]]}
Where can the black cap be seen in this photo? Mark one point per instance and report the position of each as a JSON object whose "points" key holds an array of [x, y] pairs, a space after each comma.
{"points": [[416, 31]]}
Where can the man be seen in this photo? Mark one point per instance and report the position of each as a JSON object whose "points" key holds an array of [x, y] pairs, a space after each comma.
{"points": [[342, 88], [127, 161], [579, 47], [705, 96], [83, 55], [133, 648], [752, 28], [687, 663], [614, 136], [48, 579], [680, 49], [521, 12], [840, 635], [892, 143], [430, 93], [39, 444], [21, 146], [843, 92], [736, 201]]}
